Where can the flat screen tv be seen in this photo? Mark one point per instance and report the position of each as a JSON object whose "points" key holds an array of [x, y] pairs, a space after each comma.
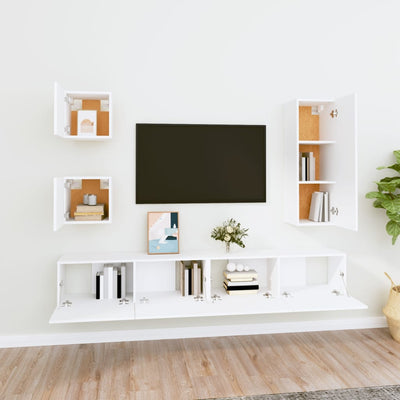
{"points": [[185, 163]]}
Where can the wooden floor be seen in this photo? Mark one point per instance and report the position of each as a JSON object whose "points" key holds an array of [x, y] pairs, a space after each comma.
{"points": [[201, 368]]}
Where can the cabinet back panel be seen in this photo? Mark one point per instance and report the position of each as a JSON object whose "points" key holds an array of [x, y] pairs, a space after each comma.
{"points": [[305, 193], [157, 276], [308, 124], [91, 186], [78, 278]]}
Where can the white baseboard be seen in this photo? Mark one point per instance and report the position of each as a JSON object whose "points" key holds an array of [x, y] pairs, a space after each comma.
{"points": [[190, 332]]}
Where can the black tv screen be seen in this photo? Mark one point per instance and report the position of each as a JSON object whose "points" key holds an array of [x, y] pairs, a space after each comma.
{"points": [[184, 163]]}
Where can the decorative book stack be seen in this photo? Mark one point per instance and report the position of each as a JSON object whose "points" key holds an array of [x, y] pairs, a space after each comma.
{"points": [[241, 282], [111, 282], [189, 278], [306, 166], [86, 212], [319, 207]]}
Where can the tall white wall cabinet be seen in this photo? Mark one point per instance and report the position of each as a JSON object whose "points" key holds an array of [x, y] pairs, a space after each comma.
{"points": [[290, 281], [328, 129], [80, 115]]}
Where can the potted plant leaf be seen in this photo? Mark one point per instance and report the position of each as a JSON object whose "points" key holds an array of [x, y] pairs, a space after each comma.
{"points": [[388, 198]]}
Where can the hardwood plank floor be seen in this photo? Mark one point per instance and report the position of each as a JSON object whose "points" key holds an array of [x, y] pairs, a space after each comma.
{"points": [[201, 368]]}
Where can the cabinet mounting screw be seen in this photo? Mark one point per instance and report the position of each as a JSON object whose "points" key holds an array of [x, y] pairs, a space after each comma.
{"points": [[198, 298], [123, 301], [66, 303], [268, 295], [144, 300], [334, 113], [215, 298]]}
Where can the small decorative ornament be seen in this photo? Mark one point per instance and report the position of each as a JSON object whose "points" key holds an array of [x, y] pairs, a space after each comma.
{"points": [[231, 267], [239, 267], [92, 199], [230, 232]]}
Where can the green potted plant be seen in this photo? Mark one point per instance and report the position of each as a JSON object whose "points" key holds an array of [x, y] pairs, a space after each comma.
{"points": [[388, 198]]}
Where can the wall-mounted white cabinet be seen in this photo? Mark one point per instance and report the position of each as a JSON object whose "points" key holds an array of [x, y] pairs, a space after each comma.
{"points": [[80, 115], [290, 281], [328, 130], [70, 203]]}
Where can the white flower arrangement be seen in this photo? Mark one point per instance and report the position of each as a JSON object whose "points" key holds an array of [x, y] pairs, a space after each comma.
{"points": [[230, 232]]}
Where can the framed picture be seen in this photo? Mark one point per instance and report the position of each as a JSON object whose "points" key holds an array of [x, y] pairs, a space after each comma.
{"points": [[162, 232], [87, 122]]}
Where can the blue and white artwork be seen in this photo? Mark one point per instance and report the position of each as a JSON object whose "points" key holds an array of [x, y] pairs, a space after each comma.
{"points": [[163, 234]]}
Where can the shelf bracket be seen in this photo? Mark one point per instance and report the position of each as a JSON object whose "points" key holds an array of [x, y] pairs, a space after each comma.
{"points": [[66, 303], [68, 100], [215, 297], [67, 129]]}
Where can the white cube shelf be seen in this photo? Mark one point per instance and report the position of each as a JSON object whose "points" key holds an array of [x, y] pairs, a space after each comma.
{"points": [[69, 192], [68, 104]]}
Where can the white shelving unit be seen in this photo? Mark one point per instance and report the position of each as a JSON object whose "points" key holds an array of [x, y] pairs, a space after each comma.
{"points": [[290, 281], [67, 103], [328, 128], [69, 191]]}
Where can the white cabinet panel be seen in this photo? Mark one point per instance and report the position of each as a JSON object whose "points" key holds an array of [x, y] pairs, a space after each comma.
{"points": [[290, 281]]}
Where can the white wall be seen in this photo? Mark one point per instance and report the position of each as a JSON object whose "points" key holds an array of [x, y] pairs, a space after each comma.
{"points": [[220, 61]]}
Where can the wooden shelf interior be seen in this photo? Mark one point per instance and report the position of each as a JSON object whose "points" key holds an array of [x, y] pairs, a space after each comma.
{"points": [[91, 186], [308, 130], [103, 117], [305, 193]]}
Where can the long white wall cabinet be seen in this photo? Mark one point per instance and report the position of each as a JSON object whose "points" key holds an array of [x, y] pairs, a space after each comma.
{"points": [[69, 207], [327, 129], [71, 109], [290, 281]]}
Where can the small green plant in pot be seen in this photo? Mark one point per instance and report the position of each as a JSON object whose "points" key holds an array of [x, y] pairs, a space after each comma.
{"points": [[388, 198]]}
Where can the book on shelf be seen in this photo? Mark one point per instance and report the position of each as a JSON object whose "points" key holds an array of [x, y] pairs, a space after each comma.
{"points": [[89, 213], [88, 217], [100, 285], [197, 278], [240, 283], [241, 287], [319, 207], [240, 292], [108, 281], [115, 282], [111, 282], [86, 208], [186, 282], [123, 281], [240, 275], [188, 279], [306, 166]]}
